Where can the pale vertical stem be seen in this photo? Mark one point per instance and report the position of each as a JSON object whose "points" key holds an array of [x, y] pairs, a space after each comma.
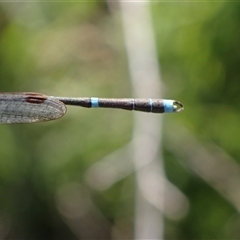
{"points": [[147, 157]]}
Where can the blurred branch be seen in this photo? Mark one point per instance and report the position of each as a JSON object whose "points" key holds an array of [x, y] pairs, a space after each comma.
{"points": [[80, 214], [118, 165], [146, 155], [209, 162]]}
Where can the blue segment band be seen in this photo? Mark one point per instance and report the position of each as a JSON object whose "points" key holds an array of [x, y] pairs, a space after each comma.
{"points": [[94, 102], [168, 105], [151, 104]]}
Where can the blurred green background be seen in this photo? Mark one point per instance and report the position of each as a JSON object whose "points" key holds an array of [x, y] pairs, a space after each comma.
{"points": [[77, 49]]}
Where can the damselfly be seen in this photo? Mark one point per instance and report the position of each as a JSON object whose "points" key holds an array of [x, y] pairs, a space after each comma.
{"points": [[29, 107]]}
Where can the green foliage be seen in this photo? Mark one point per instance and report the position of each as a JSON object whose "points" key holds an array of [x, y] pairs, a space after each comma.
{"points": [[71, 49]]}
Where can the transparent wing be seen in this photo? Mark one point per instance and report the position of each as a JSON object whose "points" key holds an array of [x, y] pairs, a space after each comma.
{"points": [[29, 108]]}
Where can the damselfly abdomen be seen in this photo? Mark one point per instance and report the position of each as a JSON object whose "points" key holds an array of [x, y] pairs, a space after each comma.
{"points": [[28, 107]]}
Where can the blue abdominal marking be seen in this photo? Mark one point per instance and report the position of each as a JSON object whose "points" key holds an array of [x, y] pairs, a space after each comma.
{"points": [[151, 104], [168, 106], [94, 102]]}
